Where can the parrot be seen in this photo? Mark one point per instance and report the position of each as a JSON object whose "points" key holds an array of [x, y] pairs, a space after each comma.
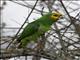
{"points": [[37, 28]]}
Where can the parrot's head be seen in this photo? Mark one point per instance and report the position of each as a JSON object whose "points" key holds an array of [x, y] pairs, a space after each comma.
{"points": [[55, 16]]}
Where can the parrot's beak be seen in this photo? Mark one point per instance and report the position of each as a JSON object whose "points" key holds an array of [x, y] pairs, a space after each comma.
{"points": [[61, 17]]}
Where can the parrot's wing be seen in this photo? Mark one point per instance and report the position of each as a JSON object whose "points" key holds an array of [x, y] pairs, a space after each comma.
{"points": [[29, 30]]}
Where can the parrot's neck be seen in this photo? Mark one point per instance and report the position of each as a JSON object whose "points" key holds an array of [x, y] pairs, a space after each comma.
{"points": [[46, 22]]}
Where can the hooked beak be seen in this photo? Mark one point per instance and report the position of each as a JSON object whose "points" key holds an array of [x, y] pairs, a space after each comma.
{"points": [[61, 17]]}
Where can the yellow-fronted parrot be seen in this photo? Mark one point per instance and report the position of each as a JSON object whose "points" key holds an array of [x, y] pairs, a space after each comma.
{"points": [[37, 28]]}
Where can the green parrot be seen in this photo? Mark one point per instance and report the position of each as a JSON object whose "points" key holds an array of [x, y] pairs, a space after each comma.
{"points": [[37, 28]]}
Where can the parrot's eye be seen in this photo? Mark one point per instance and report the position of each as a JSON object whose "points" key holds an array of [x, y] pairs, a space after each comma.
{"points": [[55, 15]]}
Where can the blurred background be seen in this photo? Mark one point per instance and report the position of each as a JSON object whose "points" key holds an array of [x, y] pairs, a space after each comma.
{"points": [[62, 41]]}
